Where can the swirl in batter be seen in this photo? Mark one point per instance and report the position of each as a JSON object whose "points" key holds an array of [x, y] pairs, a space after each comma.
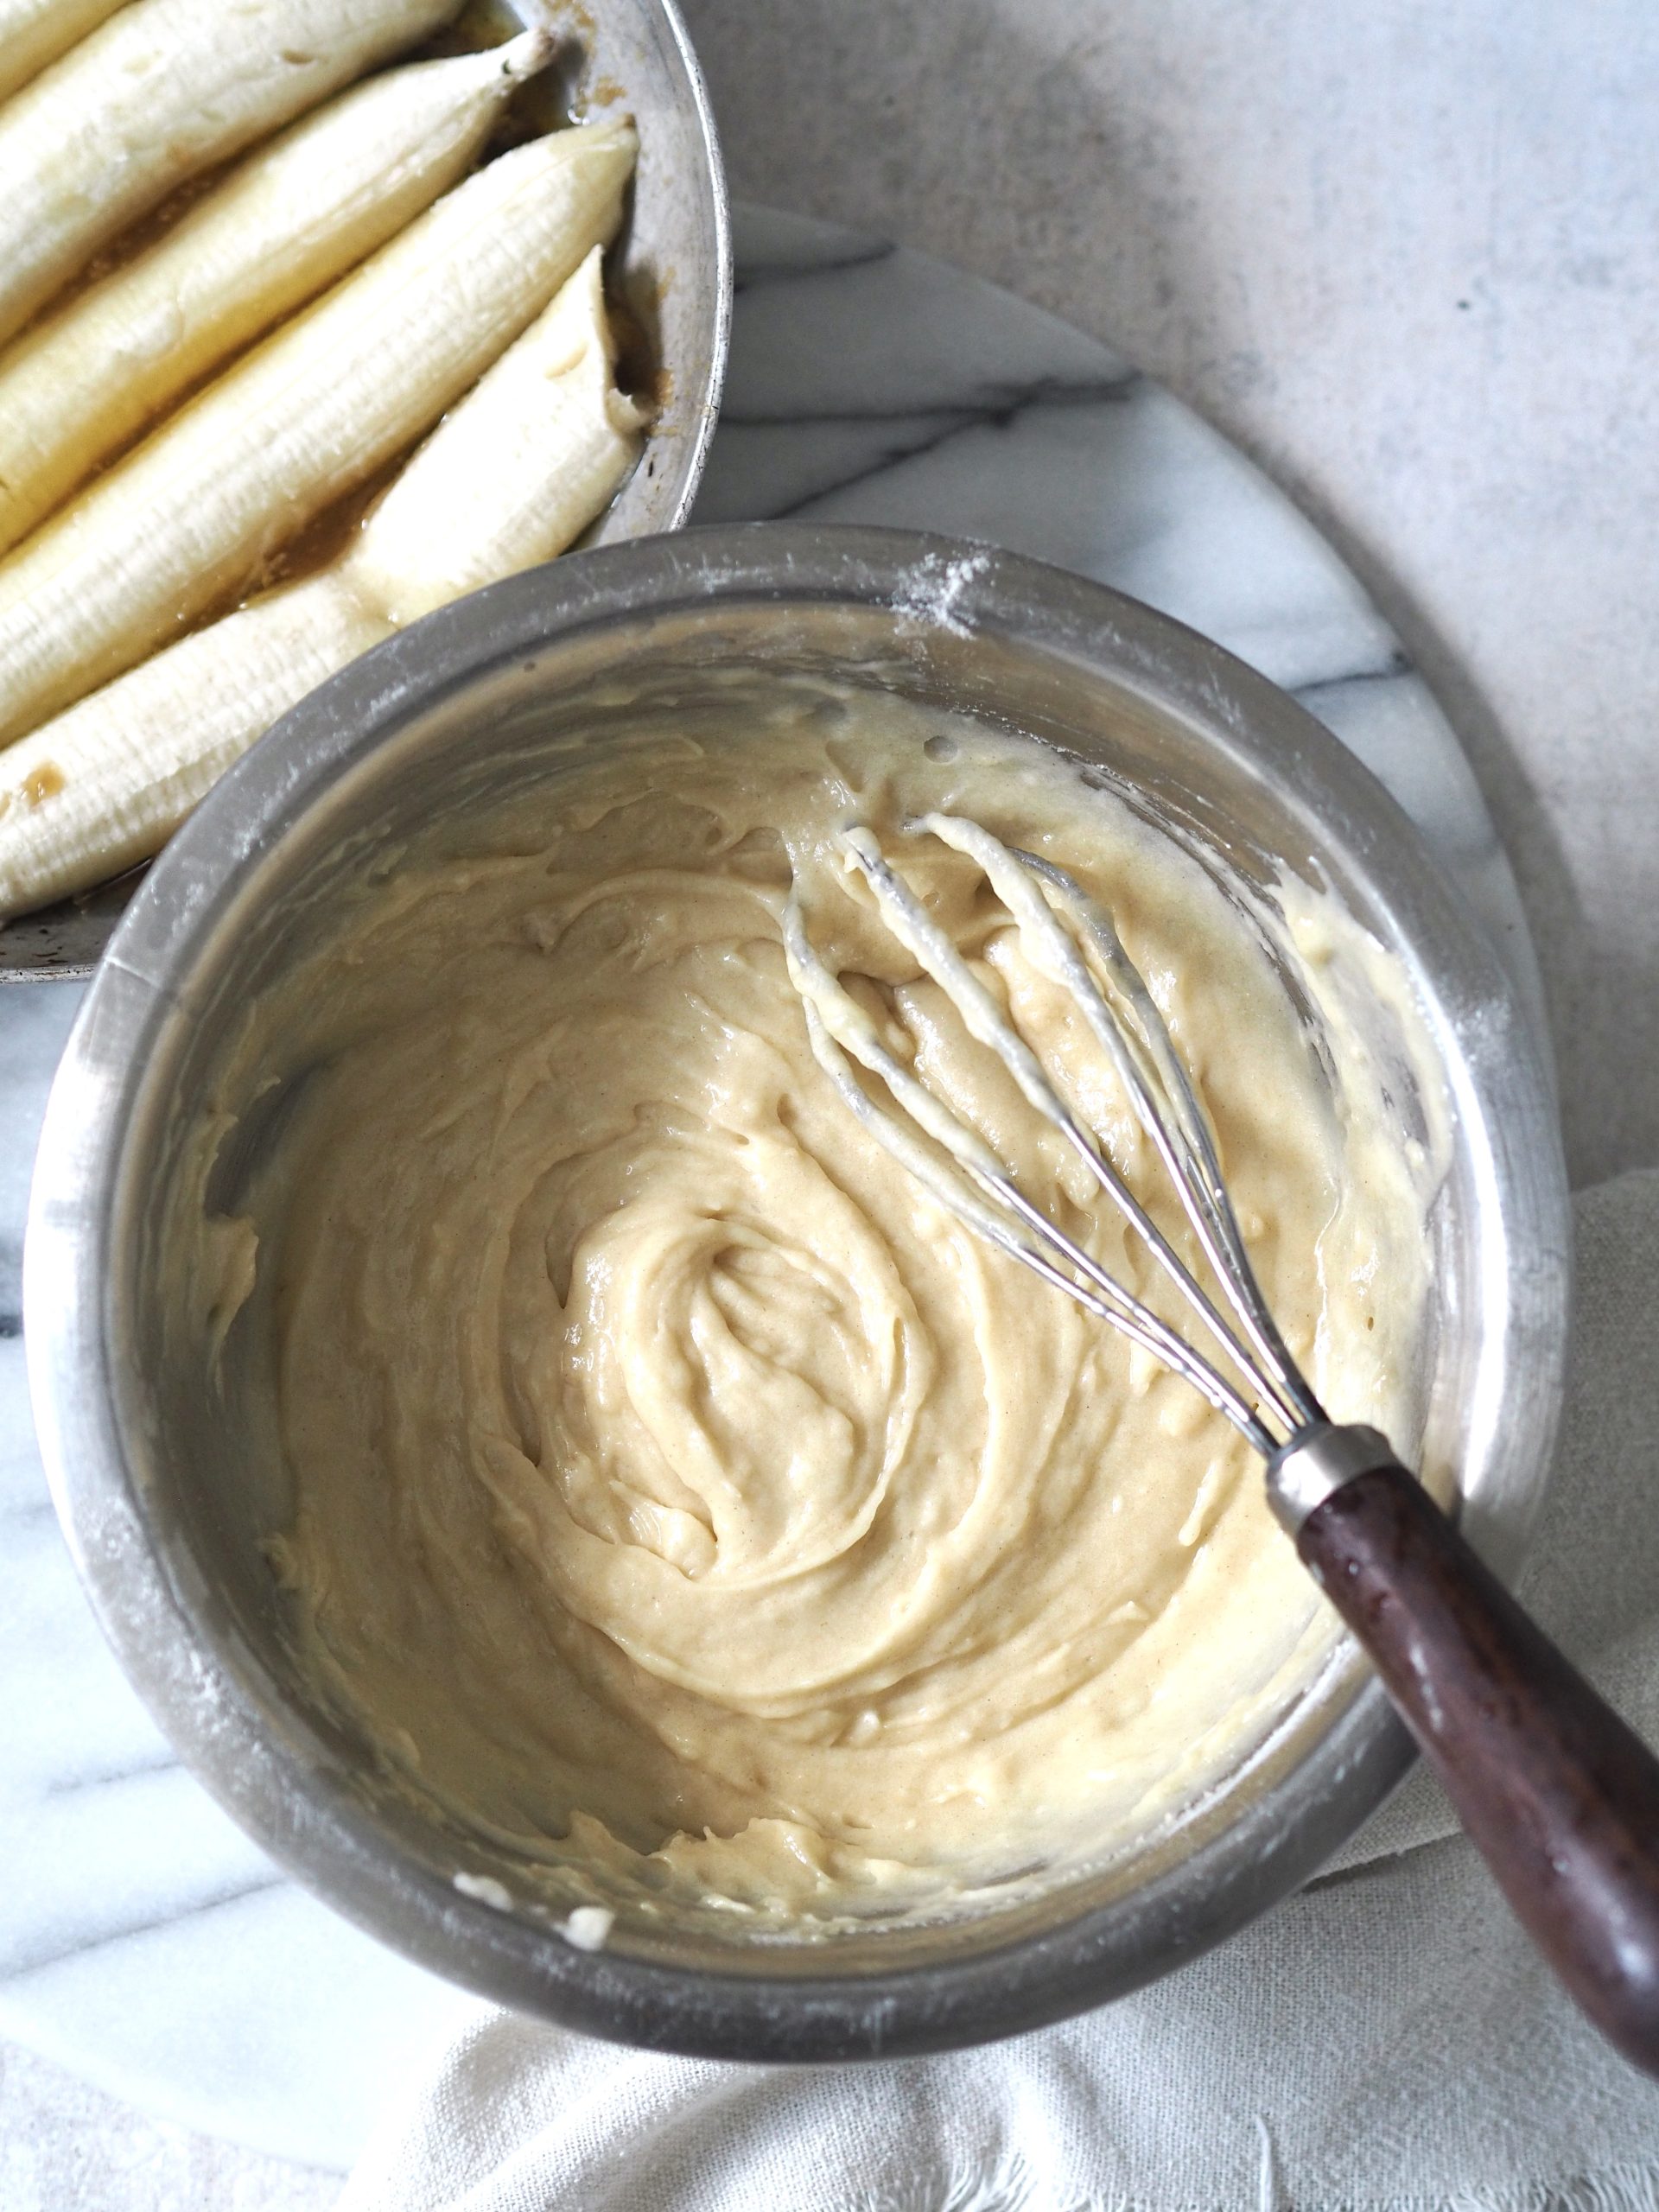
{"points": [[680, 1498]]}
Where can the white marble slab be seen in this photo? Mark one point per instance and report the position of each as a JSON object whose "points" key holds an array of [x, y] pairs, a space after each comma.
{"points": [[144, 1940]]}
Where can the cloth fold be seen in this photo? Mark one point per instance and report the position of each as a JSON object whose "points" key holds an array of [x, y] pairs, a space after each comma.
{"points": [[1385, 2039]]}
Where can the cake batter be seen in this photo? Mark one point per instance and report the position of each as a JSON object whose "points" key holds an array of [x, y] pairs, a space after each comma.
{"points": [[680, 1497]]}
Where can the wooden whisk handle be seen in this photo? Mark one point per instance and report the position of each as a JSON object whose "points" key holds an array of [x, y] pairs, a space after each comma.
{"points": [[1559, 1794]]}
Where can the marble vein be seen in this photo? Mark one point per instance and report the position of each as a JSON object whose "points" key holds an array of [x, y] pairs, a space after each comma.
{"points": [[1395, 664], [25, 1964], [753, 275], [30, 1513], [107, 1776], [993, 406]]}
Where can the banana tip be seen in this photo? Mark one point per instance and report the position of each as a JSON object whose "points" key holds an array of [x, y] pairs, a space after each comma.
{"points": [[532, 51]]}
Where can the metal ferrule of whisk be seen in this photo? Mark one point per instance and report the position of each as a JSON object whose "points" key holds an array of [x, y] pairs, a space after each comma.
{"points": [[1249, 1375]]}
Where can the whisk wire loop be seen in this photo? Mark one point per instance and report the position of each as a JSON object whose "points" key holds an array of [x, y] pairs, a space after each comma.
{"points": [[839, 1032], [955, 1164], [1169, 1111]]}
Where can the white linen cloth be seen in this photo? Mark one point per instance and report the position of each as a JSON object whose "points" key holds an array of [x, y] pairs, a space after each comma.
{"points": [[1386, 2038]]}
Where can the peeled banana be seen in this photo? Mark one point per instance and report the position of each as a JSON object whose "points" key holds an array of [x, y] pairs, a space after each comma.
{"points": [[514, 474], [35, 32], [509, 479], [292, 218], [189, 518], [162, 90]]}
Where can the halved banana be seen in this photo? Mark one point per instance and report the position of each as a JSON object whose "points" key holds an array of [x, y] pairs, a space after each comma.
{"points": [[292, 218], [35, 32], [513, 475], [509, 478], [162, 90], [190, 516]]}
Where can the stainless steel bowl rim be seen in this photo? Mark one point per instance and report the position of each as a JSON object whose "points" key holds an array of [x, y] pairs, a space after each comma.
{"points": [[644, 505], [228, 1730]]}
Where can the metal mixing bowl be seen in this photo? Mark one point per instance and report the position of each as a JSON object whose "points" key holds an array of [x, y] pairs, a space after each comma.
{"points": [[671, 267], [161, 1497]]}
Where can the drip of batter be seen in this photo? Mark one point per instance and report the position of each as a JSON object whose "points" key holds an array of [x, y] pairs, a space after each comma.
{"points": [[680, 1497]]}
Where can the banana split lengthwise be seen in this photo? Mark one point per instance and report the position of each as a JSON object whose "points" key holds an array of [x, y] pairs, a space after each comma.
{"points": [[162, 92], [506, 481], [412, 280], [293, 219]]}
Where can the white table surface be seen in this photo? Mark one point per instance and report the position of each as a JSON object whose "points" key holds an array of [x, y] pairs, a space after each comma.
{"points": [[1408, 256]]}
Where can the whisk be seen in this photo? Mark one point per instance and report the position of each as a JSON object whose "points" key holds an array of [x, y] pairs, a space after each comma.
{"points": [[1561, 1797]]}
